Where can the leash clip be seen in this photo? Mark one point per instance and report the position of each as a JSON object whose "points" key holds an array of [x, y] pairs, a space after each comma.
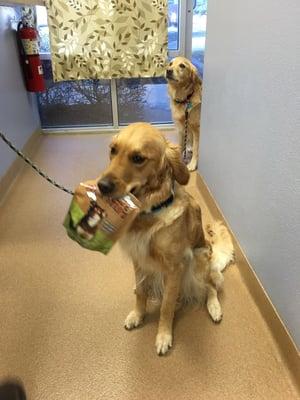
{"points": [[189, 105]]}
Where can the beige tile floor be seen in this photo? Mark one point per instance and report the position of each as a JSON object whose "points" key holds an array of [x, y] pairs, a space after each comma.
{"points": [[62, 308]]}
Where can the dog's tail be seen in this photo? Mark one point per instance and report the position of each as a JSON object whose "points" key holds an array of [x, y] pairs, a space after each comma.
{"points": [[222, 246]]}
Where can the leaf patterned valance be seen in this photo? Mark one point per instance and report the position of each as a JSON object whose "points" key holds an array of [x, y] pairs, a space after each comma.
{"points": [[98, 39]]}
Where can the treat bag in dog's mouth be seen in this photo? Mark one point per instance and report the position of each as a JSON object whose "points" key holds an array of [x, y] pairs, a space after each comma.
{"points": [[97, 222]]}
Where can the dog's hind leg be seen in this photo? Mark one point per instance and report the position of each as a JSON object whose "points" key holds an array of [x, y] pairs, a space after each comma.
{"points": [[195, 133], [213, 304], [136, 316]]}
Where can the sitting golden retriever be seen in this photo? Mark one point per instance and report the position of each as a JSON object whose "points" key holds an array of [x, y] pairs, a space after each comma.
{"points": [[172, 260], [185, 87]]}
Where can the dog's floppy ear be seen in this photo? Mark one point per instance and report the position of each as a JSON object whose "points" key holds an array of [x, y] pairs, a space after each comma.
{"points": [[180, 171], [194, 75]]}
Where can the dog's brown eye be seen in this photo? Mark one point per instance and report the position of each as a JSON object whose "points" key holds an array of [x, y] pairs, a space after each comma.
{"points": [[181, 65], [113, 151], [137, 159], [171, 63]]}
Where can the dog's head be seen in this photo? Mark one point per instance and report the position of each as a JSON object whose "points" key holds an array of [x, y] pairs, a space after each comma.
{"points": [[141, 160], [180, 71]]}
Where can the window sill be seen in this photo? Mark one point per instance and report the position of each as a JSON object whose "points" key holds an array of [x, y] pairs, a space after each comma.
{"points": [[45, 56]]}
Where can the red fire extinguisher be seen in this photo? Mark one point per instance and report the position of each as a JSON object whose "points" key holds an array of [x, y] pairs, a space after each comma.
{"points": [[32, 66]]}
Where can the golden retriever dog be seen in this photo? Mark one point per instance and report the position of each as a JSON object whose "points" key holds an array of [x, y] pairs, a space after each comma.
{"points": [[185, 87], [173, 261]]}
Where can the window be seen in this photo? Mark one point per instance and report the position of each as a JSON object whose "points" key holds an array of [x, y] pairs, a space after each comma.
{"points": [[199, 33], [143, 100], [89, 103], [42, 23], [173, 28], [74, 103]]}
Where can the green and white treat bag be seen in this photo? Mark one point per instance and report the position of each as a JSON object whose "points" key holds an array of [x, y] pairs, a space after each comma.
{"points": [[97, 222]]}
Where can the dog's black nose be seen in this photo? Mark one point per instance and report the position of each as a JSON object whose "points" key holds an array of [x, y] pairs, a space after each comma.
{"points": [[169, 73], [106, 186]]}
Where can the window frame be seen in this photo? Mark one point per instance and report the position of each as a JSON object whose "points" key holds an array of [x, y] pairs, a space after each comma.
{"points": [[184, 49]]}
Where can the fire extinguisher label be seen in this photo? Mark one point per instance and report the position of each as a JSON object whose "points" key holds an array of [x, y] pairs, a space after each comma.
{"points": [[30, 46], [40, 70]]}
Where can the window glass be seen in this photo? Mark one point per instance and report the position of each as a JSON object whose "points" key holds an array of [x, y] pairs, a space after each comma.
{"points": [[173, 24], [74, 103], [199, 32], [143, 100]]}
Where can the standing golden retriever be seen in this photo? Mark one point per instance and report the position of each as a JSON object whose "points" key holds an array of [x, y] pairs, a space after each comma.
{"points": [[172, 260], [185, 86]]}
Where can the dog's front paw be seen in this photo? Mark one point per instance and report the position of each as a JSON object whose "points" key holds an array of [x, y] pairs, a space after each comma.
{"points": [[133, 320], [163, 343], [215, 311], [192, 165]]}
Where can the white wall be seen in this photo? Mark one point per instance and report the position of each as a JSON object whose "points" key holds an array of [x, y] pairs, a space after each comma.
{"points": [[18, 110], [250, 138]]}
